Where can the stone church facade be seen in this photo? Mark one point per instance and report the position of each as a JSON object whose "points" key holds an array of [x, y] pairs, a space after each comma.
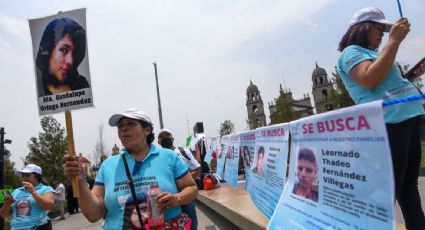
{"points": [[321, 91], [255, 107]]}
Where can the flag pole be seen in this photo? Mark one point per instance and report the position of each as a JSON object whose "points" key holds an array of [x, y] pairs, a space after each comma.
{"points": [[399, 8]]}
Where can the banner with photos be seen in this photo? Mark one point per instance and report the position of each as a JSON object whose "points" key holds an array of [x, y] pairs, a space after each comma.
{"points": [[340, 173], [221, 155], [268, 170], [248, 145], [233, 153], [212, 146]]}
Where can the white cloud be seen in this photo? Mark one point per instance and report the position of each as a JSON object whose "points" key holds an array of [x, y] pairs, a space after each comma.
{"points": [[206, 52], [13, 26]]}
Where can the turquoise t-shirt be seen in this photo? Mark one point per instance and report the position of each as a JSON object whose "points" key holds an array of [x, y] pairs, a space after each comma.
{"points": [[394, 86], [25, 211], [161, 166]]}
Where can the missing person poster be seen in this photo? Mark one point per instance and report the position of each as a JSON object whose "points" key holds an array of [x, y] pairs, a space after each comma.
{"points": [[232, 160], [340, 173], [221, 155], [61, 62], [212, 145], [247, 144], [268, 169]]}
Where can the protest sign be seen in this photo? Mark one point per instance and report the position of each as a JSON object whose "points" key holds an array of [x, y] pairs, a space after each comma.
{"points": [[247, 144], [269, 166], [232, 160], [61, 62], [340, 174], [212, 144], [221, 155]]}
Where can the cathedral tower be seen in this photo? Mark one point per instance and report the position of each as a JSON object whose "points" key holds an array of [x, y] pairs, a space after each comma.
{"points": [[322, 88], [255, 107]]}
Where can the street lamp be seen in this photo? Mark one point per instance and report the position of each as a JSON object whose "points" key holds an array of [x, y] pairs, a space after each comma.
{"points": [[161, 124], [2, 142]]}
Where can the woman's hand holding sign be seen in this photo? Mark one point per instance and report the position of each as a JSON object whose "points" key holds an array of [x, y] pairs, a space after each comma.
{"points": [[73, 168]]}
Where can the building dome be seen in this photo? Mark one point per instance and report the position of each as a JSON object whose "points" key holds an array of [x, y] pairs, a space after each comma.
{"points": [[251, 88], [318, 71]]}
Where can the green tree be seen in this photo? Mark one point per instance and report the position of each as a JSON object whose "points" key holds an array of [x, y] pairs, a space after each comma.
{"points": [[10, 178], [339, 93], [284, 110], [252, 123], [227, 127], [48, 149]]}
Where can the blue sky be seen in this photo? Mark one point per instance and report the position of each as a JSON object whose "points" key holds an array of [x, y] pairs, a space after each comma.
{"points": [[207, 52]]}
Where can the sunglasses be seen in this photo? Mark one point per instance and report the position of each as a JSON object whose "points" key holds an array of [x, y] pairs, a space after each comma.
{"points": [[26, 174]]}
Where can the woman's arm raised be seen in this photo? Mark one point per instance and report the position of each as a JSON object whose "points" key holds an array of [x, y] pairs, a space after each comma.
{"points": [[370, 74]]}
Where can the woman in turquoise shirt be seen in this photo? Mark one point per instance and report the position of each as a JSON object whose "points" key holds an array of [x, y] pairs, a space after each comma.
{"points": [[370, 75], [148, 165], [30, 203]]}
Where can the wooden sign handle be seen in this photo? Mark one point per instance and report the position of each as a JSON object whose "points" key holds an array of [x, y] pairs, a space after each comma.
{"points": [[71, 150]]}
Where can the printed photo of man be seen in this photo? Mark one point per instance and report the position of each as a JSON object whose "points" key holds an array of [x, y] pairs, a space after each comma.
{"points": [[306, 175], [258, 169]]}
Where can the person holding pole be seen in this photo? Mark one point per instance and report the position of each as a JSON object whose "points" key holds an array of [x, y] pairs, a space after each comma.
{"points": [[30, 203], [370, 75], [140, 165]]}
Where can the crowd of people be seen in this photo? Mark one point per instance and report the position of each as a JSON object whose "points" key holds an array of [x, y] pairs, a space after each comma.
{"points": [[119, 194], [131, 174]]}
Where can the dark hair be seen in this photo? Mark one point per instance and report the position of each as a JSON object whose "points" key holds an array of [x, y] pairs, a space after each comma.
{"points": [[38, 177], [128, 210], [246, 155], [151, 136], [247, 151], [357, 34], [306, 154], [260, 151], [54, 32]]}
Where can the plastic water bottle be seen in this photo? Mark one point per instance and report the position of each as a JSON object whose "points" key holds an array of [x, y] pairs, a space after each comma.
{"points": [[155, 218]]}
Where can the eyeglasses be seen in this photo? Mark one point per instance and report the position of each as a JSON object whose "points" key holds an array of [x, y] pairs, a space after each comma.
{"points": [[26, 174]]}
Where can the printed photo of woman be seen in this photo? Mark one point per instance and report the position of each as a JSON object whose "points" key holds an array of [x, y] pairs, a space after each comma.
{"points": [[130, 218], [246, 156], [23, 208], [62, 49]]}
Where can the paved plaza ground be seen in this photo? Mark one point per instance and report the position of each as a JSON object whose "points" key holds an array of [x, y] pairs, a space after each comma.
{"points": [[208, 219]]}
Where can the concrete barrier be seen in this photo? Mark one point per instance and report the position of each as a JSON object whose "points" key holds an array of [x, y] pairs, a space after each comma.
{"points": [[235, 205]]}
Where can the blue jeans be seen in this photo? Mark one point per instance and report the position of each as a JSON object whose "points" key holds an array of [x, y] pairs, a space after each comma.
{"points": [[190, 209]]}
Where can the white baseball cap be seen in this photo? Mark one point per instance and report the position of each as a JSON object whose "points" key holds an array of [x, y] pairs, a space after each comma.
{"points": [[30, 168], [130, 113], [370, 14], [164, 130]]}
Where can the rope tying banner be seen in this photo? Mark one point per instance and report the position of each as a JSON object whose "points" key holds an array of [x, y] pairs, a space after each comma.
{"points": [[406, 99]]}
